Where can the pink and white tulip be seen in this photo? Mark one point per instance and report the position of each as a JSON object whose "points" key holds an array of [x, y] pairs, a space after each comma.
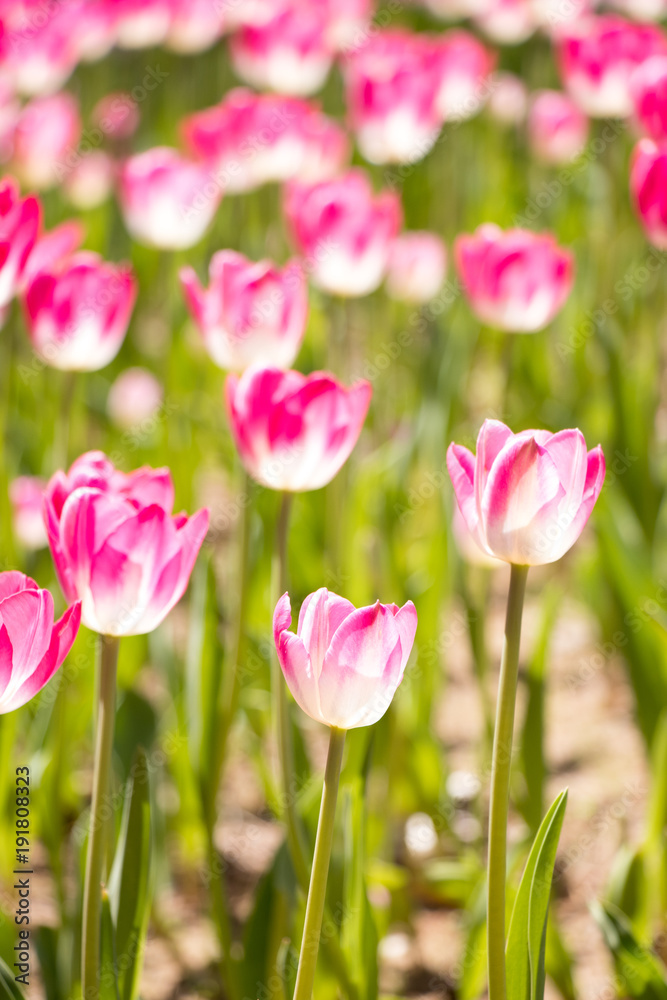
{"points": [[168, 201], [141, 24], [46, 139], [465, 65], [648, 186], [32, 647], [508, 99], [648, 86], [251, 313], [515, 280], [557, 128], [294, 432], [467, 545], [417, 267], [526, 497], [344, 664], [344, 230], [507, 22], [91, 180], [20, 221], [38, 48], [77, 313], [116, 115], [134, 399], [52, 249], [195, 25], [117, 546], [26, 495], [597, 57]]}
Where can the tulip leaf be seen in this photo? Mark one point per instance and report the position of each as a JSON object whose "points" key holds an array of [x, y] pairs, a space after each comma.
{"points": [[526, 942], [8, 988], [129, 884], [640, 973], [109, 960]]}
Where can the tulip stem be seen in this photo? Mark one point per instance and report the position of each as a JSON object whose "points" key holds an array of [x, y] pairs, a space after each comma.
{"points": [[92, 894], [500, 783], [312, 927]]}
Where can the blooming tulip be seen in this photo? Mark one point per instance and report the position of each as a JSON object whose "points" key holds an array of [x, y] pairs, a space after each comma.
{"points": [[91, 180], [167, 201], [39, 49], [52, 249], [648, 87], [344, 230], [557, 128], [417, 266], [597, 57], [507, 22], [526, 497], [141, 24], [134, 399], [195, 25], [508, 99], [648, 184], [26, 495], [344, 664], [251, 313], [117, 546], [294, 432], [515, 280], [77, 313], [46, 139], [20, 219], [116, 115], [465, 65], [31, 646]]}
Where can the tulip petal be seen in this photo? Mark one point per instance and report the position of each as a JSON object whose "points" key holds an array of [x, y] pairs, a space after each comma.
{"points": [[11, 582], [406, 622], [321, 614], [295, 661], [62, 638], [28, 618], [6, 661]]}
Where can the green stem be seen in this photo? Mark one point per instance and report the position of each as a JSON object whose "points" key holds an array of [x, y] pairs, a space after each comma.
{"points": [[500, 783], [92, 894], [312, 928]]}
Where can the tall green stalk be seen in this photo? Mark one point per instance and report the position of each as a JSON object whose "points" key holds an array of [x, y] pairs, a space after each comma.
{"points": [[500, 784], [97, 845]]}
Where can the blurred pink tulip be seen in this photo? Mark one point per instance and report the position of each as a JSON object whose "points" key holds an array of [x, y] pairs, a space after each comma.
{"points": [[507, 22], [77, 313], [508, 99], [46, 140], [20, 220], [465, 65], [168, 201], [526, 497], [294, 432], [116, 115], [116, 545], [515, 279], [597, 56], [26, 495], [344, 230], [52, 249], [392, 84], [648, 185], [250, 139], [417, 267], [344, 664], [288, 54], [557, 128], [251, 313], [39, 48], [91, 180], [648, 87], [31, 646], [141, 24], [347, 22], [134, 399], [195, 25]]}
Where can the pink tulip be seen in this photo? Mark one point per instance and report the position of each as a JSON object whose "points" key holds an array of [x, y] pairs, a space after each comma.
{"points": [[508, 99], [250, 139], [648, 87], [648, 185], [116, 115], [46, 139], [141, 24], [52, 250], [77, 313], [344, 231], [90, 182], [515, 280], [195, 25], [507, 22], [347, 22], [39, 48], [392, 84], [344, 664], [31, 646], [294, 432], [465, 65], [597, 57], [467, 545], [117, 546], [526, 497], [288, 54], [134, 400], [26, 495], [168, 202], [417, 267], [557, 129], [20, 220], [251, 313]]}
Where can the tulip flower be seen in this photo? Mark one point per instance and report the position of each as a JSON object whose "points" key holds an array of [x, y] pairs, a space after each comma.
{"points": [[141, 24], [292, 431], [526, 497], [506, 22], [20, 220], [52, 249], [46, 139], [508, 99], [252, 313], [597, 57], [39, 49], [648, 88], [417, 267], [90, 181], [347, 21], [134, 399], [195, 25], [117, 546], [26, 495], [392, 84], [288, 54], [77, 313], [116, 115], [31, 646], [648, 185], [515, 280], [468, 546], [168, 202], [465, 65], [344, 231], [557, 128]]}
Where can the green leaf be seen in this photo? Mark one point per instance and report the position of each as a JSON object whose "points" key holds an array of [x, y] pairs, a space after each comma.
{"points": [[130, 880], [640, 973], [527, 934], [8, 988], [109, 959]]}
